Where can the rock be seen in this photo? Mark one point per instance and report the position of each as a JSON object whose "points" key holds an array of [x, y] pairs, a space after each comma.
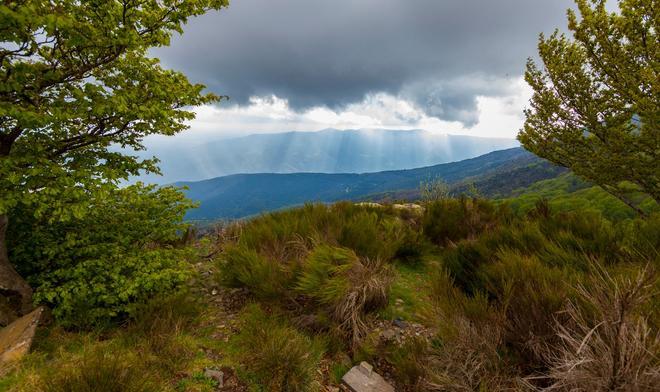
{"points": [[369, 204], [362, 378], [216, 375], [399, 323], [16, 338], [388, 335], [408, 206]]}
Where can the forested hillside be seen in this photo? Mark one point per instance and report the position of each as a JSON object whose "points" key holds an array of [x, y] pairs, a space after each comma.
{"points": [[243, 195]]}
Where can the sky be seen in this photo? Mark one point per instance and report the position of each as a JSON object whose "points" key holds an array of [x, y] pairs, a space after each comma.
{"points": [[447, 66]]}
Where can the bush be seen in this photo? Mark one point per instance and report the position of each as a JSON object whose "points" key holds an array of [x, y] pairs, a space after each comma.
{"points": [[467, 352], [243, 267], [607, 344], [372, 235], [409, 362], [464, 261], [586, 233], [410, 247], [120, 251], [529, 294], [450, 220], [277, 356], [351, 287]]}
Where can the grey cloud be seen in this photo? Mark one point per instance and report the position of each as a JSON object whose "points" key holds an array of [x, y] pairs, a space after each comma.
{"points": [[333, 53]]}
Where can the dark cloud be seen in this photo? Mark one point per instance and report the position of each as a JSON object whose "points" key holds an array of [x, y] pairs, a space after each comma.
{"points": [[440, 54]]}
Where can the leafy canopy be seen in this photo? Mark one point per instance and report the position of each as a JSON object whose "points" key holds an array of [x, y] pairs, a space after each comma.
{"points": [[76, 79], [97, 269], [77, 87], [595, 107]]}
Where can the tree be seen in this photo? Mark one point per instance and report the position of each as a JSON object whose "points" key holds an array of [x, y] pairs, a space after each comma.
{"points": [[75, 79], [596, 104]]}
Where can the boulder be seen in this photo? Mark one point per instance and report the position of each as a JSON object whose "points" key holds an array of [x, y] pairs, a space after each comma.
{"points": [[362, 378], [16, 338]]}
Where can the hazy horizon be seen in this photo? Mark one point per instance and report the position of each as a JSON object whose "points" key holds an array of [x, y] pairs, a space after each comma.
{"points": [[325, 151]]}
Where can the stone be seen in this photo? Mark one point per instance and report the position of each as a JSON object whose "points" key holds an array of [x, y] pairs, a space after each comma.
{"points": [[399, 323], [16, 338], [216, 375], [362, 378], [388, 335]]}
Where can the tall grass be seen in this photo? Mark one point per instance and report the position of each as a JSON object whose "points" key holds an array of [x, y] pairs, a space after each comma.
{"points": [[514, 301], [277, 356], [607, 345]]}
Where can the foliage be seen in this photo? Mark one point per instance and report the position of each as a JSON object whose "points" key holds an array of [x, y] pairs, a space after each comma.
{"points": [[434, 190], [530, 294], [595, 106], [124, 250], [451, 220], [77, 79], [567, 193], [467, 351], [509, 305], [279, 357], [79, 90]]}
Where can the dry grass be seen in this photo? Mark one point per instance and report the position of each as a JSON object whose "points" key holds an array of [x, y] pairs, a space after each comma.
{"points": [[608, 345], [468, 355], [469, 361], [368, 290]]}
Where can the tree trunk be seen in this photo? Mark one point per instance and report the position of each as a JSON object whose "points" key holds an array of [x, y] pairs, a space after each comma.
{"points": [[15, 293]]}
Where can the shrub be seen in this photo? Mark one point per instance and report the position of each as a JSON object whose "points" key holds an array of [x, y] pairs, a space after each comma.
{"points": [[464, 261], [642, 237], [451, 220], [350, 286], [410, 247], [409, 362], [243, 267], [277, 356], [607, 344], [363, 234], [530, 294], [584, 232], [466, 354], [118, 252]]}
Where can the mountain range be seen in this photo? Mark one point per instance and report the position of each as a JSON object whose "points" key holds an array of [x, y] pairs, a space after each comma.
{"points": [[241, 195], [327, 151]]}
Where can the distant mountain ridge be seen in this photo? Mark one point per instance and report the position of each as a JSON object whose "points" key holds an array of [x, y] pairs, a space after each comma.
{"points": [[242, 195], [327, 151]]}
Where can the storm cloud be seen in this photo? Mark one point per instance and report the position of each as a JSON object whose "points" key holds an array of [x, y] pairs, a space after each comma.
{"points": [[438, 54]]}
